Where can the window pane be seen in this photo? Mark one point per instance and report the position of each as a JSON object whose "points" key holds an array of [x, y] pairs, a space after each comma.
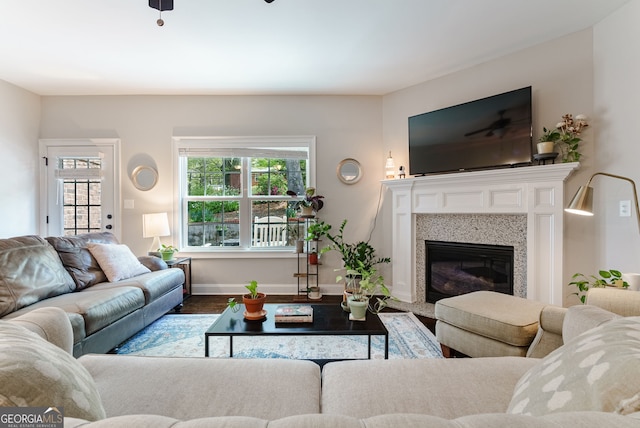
{"points": [[273, 177], [269, 223], [213, 176], [213, 223], [95, 193]]}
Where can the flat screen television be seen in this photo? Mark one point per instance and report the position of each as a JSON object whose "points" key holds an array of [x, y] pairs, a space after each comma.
{"points": [[491, 132]]}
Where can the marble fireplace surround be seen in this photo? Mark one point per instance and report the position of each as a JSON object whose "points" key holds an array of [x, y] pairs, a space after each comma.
{"points": [[531, 197]]}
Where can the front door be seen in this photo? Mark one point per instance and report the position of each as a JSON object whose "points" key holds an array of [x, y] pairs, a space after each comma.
{"points": [[78, 187]]}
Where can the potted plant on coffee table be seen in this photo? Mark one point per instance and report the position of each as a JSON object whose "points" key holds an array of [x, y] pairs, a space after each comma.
{"points": [[253, 303]]}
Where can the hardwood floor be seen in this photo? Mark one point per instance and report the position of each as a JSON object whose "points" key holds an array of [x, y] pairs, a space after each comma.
{"points": [[217, 304]]}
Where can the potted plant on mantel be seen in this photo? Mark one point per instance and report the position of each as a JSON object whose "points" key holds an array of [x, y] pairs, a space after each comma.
{"points": [[362, 279], [548, 140], [253, 302]]}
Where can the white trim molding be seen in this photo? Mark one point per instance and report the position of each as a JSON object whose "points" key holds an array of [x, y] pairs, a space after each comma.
{"points": [[534, 191]]}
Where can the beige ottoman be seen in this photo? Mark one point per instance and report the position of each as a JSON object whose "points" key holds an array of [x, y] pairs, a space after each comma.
{"points": [[486, 324]]}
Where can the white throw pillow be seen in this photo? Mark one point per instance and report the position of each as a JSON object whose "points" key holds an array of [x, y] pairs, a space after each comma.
{"points": [[598, 370], [36, 373], [117, 261]]}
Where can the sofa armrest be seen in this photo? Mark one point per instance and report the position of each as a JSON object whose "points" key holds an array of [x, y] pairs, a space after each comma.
{"points": [[50, 323], [549, 336], [619, 301], [153, 263]]}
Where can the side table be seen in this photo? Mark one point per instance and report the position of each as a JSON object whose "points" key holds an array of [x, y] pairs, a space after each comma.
{"points": [[183, 263]]}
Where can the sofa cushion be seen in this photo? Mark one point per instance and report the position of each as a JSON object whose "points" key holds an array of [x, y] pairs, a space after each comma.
{"points": [[582, 318], [77, 259], [187, 388], [117, 261], [443, 387], [598, 370], [36, 373], [30, 270]]}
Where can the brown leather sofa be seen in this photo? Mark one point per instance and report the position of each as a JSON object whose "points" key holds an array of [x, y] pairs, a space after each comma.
{"points": [[61, 272]]}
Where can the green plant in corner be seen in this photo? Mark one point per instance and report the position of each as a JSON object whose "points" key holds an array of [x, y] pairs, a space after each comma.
{"points": [[362, 277], [583, 282]]}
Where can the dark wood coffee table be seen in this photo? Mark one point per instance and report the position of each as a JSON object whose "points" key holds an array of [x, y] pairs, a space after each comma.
{"points": [[328, 320]]}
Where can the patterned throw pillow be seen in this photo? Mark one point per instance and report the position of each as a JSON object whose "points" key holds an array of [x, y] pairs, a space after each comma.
{"points": [[598, 370], [117, 261], [36, 373]]}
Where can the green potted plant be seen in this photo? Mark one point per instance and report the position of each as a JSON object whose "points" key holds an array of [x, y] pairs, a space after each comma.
{"points": [[253, 302], [608, 278], [166, 251], [548, 140], [317, 230], [362, 280], [566, 136], [310, 204]]}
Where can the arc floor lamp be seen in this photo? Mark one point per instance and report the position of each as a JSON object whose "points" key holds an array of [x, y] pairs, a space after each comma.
{"points": [[582, 202]]}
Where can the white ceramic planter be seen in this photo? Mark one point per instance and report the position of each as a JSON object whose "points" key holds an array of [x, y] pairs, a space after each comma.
{"points": [[546, 147]]}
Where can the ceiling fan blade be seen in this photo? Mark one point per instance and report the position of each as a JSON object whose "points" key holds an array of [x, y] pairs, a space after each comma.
{"points": [[161, 5], [477, 131]]}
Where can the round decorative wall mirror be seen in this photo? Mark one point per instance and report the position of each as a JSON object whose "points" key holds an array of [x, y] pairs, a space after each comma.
{"points": [[349, 171], [144, 177]]}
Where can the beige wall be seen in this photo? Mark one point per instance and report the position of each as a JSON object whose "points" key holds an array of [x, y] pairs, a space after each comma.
{"points": [[617, 148], [345, 126], [560, 73], [19, 124]]}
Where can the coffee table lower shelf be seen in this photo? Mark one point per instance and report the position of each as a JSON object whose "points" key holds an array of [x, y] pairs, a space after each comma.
{"points": [[328, 320]]}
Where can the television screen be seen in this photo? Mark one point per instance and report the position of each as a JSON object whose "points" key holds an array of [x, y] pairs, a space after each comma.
{"points": [[490, 132]]}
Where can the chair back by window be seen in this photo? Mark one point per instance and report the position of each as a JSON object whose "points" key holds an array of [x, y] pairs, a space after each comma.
{"points": [[270, 231]]}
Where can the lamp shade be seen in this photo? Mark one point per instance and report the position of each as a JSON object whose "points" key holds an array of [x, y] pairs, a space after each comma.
{"points": [[156, 224], [582, 202]]}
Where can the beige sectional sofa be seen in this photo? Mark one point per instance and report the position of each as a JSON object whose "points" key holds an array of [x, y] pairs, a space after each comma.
{"points": [[593, 380], [107, 293]]}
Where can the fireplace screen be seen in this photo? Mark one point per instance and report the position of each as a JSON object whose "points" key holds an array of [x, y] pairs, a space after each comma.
{"points": [[454, 268]]}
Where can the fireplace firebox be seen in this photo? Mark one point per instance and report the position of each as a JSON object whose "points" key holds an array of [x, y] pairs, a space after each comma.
{"points": [[454, 268]]}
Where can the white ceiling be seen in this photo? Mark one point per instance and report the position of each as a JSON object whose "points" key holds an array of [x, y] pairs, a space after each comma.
{"points": [[78, 47]]}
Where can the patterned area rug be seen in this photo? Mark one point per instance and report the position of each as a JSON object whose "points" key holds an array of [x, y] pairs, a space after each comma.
{"points": [[183, 336]]}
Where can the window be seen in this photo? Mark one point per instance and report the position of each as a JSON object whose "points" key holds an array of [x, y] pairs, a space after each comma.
{"points": [[233, 191]]}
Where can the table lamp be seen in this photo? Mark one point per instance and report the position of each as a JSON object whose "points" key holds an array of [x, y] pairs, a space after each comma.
{"points": [[154, 226]]}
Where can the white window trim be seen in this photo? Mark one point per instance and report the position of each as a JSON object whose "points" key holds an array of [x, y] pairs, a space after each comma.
{"points": [[180, 142]]}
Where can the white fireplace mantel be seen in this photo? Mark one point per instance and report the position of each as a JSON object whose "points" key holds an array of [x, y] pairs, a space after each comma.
{"points": [[534, 191]]}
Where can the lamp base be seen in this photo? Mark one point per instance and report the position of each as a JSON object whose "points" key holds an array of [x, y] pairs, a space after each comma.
{"points": [[155, 245]]}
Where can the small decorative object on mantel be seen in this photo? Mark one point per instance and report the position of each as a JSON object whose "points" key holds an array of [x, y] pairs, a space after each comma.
{"points": [[566, 137], [608, 278]]}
